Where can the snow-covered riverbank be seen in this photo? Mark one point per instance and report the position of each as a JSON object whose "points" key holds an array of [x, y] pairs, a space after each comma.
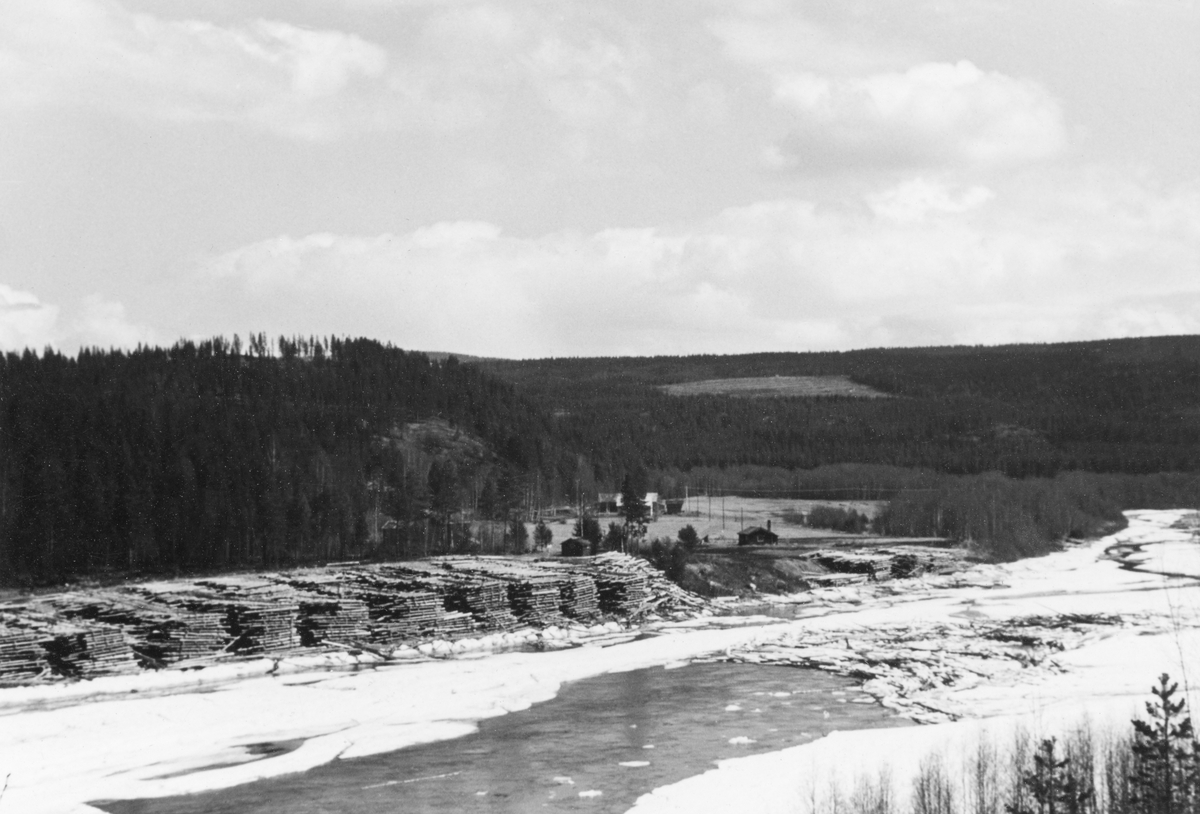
{"points": [[1101, 675], [127, 747]]}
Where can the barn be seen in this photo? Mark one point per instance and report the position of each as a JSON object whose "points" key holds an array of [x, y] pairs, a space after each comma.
{"points": [[757, 535], [576, 547]]}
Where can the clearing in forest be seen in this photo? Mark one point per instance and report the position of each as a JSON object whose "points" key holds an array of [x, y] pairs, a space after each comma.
{"points": [[767, 386]]}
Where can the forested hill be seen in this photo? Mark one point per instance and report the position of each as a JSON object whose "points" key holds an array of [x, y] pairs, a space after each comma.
{"points": [[208, 456], [1127, 405]]}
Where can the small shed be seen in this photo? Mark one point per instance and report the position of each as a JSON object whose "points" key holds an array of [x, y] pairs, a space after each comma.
{"points": [[757, 535], [576, 547], [674, 505]]}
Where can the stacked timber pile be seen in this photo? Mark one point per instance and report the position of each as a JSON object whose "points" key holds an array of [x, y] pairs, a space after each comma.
{"points": [[400, 605], [577, 596], [454, 624], [262, 627], [477, 593], [22, 656], [402, 615], [317, 583], [331, 620], [621, 590], [186, 636], [261, 613], [630, 586], [87, 652], [535, 600], [485, 599], [533, 593]]}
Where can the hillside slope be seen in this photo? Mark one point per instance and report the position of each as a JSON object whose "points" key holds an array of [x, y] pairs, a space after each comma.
{"points": [[1127, 405]]}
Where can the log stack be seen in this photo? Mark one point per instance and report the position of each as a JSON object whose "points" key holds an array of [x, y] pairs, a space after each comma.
{"points": [[88, 652], [187, 636], [485, 599], [331, 620], [577, 596], [535, 599], [620, 583], [262, 627], [533, 593], [398, 616], [21, 654], [454, 624]]}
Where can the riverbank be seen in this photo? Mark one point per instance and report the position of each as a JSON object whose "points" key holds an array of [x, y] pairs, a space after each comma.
{"points": [[1104, 620], [58, 757]]}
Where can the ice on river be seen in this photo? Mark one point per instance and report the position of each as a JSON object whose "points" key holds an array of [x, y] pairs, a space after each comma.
{"points": [[1103, 676], [160, 741]]}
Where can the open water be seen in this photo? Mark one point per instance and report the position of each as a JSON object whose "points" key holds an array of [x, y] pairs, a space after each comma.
{"points": [[621, 735]]}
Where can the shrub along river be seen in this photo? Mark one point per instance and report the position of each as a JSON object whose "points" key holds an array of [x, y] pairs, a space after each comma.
{"points": [[597, 746]]}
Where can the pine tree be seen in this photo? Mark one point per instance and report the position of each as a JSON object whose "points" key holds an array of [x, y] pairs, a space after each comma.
{"points": [[588, 528], [1165, 751], [1055, 786], [542, 535], [634, 511]]}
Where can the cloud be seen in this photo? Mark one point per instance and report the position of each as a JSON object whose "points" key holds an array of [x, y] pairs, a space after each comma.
{"points": [[915, 200], [456, 66], [27, 322], [102, 323], [276, 76], [932, 114], [850, 101], [918, 263]]}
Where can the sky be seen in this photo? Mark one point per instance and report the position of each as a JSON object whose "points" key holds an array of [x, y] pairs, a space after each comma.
{"points": [[599, 177]]}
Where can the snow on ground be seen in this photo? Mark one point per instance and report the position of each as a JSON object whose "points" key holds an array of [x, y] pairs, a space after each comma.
{"points": [[59, 758], [1101, 679], [63, 753]]}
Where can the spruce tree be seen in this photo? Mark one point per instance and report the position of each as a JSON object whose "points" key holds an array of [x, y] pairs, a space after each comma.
{"points": [[1165, 752], [1054, 785]]}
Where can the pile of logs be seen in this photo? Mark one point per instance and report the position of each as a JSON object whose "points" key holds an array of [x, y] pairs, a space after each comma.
{"points": [[453, 624], [21, 654], [485, 599], [621, 588], [187, 635], [262, 627], [83, 634], [577, 596], [533, 593], [400, 615], [331, 620], [86, 652]]}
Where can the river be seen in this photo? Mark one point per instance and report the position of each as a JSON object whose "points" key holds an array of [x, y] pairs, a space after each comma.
{"points": [[597, 746]]}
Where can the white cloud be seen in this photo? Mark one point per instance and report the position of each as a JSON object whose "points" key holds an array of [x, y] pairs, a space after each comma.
{"points": [[918, 198], [920, 263], [102, 323], [854, 102], [274, 75], [932, 114], [457, 66], [27, 322]]}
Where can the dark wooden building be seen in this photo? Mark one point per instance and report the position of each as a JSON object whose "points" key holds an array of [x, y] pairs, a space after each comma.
{"points": [[757, 535], [576, 547]]}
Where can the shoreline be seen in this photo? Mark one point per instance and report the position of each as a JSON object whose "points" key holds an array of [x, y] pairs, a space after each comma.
{"points": [[1091, 681], [131, 746]]}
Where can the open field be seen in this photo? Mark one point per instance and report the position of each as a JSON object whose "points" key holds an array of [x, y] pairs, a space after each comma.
{"points": [[781, 386], [720, 518]]}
